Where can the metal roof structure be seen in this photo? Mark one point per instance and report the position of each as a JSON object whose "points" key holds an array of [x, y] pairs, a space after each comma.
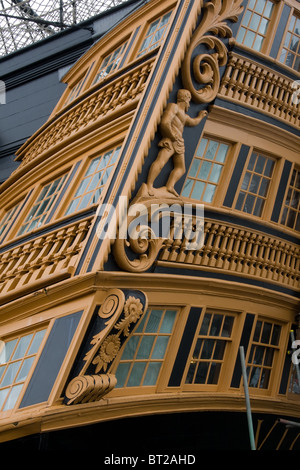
{"points": [[24, 22]]}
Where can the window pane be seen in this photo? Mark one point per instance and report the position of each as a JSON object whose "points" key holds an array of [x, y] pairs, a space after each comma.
{"points": [[145, 347], [25, 369], [7, 349], [136, 374], [10, 374], [22, 346], [152, 373], [13, 396], [168, 321], [160, 347]]}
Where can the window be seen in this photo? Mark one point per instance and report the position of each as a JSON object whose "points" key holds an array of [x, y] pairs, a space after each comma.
{"points": [[94, 180], [291, 208], [79, 86], [290, 52], [42, 206], [255, 185], [255, 23], [209, 350], [144, 353], [260, 361], [8, 217], [205, 171], [155, 34], [110, 63], [16, 360]]}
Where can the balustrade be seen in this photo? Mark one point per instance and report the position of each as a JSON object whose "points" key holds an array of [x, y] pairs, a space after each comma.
{"points": [[44, 256], [119, 91], [254, 85], [239, 251]]}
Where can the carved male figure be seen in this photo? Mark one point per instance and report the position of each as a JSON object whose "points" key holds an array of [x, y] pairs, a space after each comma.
{"points": [[174, 119]]}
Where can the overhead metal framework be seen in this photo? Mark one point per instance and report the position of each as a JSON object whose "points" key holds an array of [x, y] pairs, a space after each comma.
{"points": [[24, 22]]}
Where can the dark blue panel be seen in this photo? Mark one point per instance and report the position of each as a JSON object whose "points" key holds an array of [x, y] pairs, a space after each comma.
{"points": [[280, 31], [237, 373], [185, 346], [237, 173], [285, 176], [51, 359]]}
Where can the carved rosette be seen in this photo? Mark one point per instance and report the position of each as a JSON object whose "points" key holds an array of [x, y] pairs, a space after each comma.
{"points": [[204, 68], [117, 316]]}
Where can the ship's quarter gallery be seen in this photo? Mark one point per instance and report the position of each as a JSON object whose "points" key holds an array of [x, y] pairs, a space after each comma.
{"points": [[149, 231]]}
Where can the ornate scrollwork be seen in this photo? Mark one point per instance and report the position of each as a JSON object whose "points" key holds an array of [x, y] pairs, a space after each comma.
{"points": [[117, 316], [88, 388], [205, 67]]}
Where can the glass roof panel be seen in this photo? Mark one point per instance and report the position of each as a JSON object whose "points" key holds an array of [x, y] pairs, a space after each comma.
{"points": [[24, 22]]}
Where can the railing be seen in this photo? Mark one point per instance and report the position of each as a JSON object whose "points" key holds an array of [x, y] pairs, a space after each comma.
{"points": [[42, 258], [254, 85], [239, 251], [114, 94]]}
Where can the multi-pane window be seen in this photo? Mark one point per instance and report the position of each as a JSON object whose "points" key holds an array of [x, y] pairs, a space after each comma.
{"points": [[290, 52], [255, 23], [110, 63], [209, 351], [43, 205], [7, 218], [94, 180], [155, 34], [291, 209], [144, 353], [16, 360], [76, 90], [261, 357], [255, 184], [205, 171]]}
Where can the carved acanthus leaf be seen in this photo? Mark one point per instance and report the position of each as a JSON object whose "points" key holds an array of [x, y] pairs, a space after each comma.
{"points": [[205, 67]]}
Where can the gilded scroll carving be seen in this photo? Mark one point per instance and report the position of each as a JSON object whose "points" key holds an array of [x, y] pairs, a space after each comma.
{"points": [[116, 318], [204, 68], [88, 388]]}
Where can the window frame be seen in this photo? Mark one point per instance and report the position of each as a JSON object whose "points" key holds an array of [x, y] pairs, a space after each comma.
{"points": [[227, 366], [82, 82], [296, 13], [16, 336], [139, 53], [124, 46], [274, 378], [273, 183], [16, 208], [229, 161], [81, 175], [283, 205], [64, 174], [165, 361]]}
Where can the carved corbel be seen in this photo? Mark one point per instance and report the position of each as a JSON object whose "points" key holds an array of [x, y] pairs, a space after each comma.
{"points": [[204, 68], [116, 318]]}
